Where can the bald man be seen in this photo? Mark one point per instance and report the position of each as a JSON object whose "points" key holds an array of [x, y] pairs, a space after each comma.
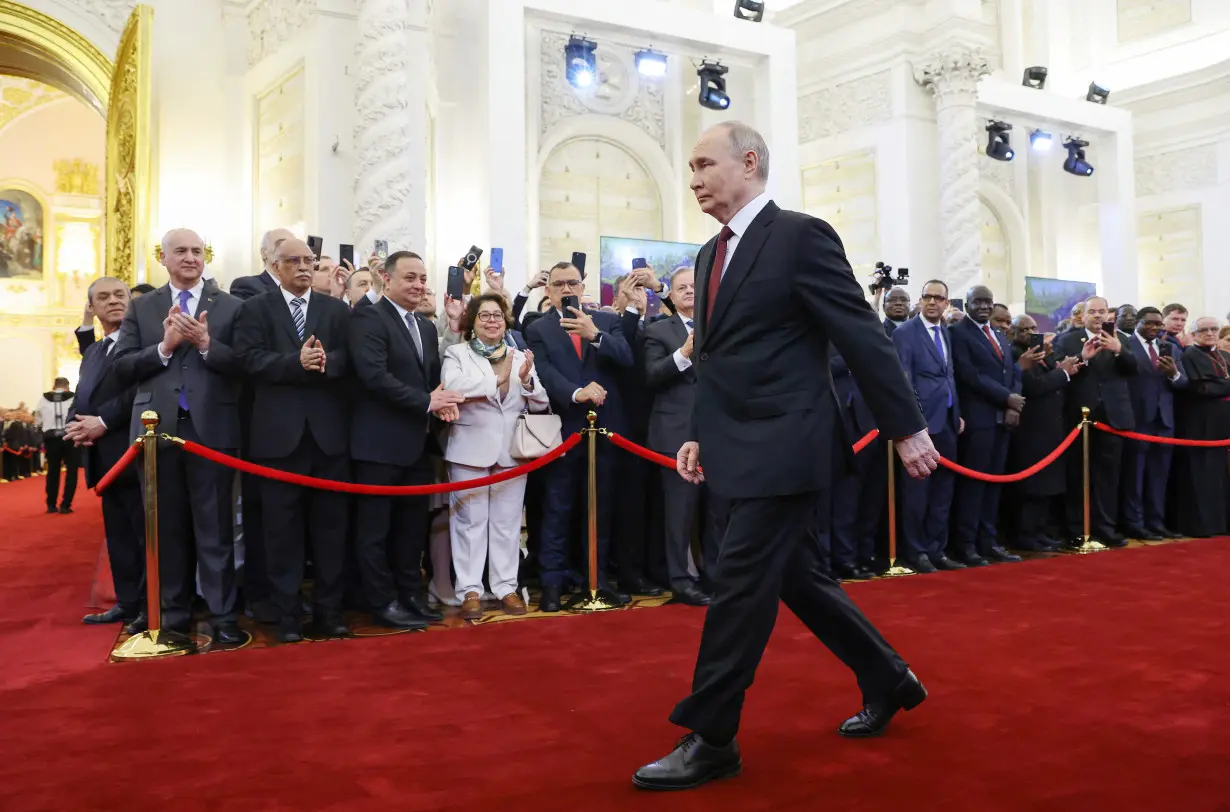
{"points": [[175, 348], [245, 287]]}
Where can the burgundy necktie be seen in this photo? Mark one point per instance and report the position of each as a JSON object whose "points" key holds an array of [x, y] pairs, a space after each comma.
{"points": [[986, 328], [1153, 355], [715, 275]]}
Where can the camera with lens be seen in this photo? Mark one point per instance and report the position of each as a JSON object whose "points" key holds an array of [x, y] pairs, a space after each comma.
{"points": [[884, 278]]}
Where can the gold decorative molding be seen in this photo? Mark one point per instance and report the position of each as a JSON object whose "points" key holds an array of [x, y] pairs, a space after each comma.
{"points": [[128, 148], [76, 177], [69, 60], [19, 95]]}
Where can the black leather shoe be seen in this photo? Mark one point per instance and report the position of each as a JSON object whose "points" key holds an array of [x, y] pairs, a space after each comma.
{"points": [[1164, 532], [692, 763], [690, 595], [853, 572], [972, 559], [922, 564], [417, 605], [1115, 540], [946, 563], [395, 616], [549, 600], [328, 623], [65, 509], [641, 586], [113, 615], [138, 625], [228, 634], [1141, 534], [52, 509], [877, 713], [997, 553], [289, 631]]}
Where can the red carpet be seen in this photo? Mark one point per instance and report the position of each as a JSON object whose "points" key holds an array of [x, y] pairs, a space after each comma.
{"points": [[1080, 683]]}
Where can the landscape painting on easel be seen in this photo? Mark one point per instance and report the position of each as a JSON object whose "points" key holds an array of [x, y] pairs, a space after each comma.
{"points": [[21, 235]]}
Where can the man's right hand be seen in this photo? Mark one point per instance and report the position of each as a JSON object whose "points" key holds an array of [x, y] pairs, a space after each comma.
{"points": [[1071, 365], [687, 463], [918, 454], [1031, 357], [312, 356], [87, 318], [1091, 348], [171, 335], [686, 349], [1016, 402], [593, 393], [442, 399]]}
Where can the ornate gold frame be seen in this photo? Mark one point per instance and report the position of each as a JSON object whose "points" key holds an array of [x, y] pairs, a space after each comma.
{"points": [[69, 60]]}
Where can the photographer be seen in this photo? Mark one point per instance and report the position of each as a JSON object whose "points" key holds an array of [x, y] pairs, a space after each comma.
{"points": [[52, 413]]}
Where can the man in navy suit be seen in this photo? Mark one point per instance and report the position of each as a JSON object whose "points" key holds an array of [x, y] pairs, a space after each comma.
{"points": [[1152, 391], [989, 387], [926, 355], [578, 355]]}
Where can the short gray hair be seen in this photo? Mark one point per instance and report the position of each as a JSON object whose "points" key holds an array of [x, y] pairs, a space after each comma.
{"points": [[89, 292], [268, 244], [745, 139]]}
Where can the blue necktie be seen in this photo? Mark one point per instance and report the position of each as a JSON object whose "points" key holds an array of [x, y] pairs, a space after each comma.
{"points": [[689, 324], [414, 334], [939, 345], [184, 296], [297, 314]]}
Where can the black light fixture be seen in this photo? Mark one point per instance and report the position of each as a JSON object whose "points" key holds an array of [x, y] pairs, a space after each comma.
{"points": [[1034, 77], [713, 85], [1097, 94], [998, 146], [750, 10], [650, 63], [580, 64], [1076, 163]]}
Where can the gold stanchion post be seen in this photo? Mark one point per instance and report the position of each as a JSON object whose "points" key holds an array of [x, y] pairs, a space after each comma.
{"points": [[156, 641], [1087, 545], [893, 569], [597, 600]]}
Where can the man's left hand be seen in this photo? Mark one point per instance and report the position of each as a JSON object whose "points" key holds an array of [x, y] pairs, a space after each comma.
{"points": [[84, 430], [1166, 364], [1110, 341], [581, 324], [918, 454], [195, 331]]}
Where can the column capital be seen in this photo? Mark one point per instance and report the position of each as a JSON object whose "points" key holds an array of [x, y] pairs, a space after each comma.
{"points": [[952, 75]]}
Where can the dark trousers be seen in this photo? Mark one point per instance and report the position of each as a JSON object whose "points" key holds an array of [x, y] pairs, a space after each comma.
{"points": [[195, 531], [976, 503], [637, 534], [300, 519], [10, 469], [859, 502], [1032, 518], [1146, 473], [124, 521], [1105, 464], [769, 553], [926, 504], [566, 487], [688, 512], [255, 575], [61, 452], [391, 532]]}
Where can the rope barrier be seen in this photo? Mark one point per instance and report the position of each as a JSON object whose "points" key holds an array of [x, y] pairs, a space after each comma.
{"points": [[118, 468], [376, 490], [1149, 438], [1017, 477], [671, 463], [866, 441]]}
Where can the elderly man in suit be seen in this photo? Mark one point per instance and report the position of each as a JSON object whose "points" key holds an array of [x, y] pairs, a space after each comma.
{"points": [[578, 354], [175, 346], [668, 349], [245, 287]]}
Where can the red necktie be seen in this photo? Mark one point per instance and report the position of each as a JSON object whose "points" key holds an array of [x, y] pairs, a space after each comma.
{"points": [[576, 345], [1153, 355], [715, 275], [986, 328]]}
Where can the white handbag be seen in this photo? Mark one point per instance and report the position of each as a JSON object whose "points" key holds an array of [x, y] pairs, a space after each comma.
{"points": [[535, 435]]}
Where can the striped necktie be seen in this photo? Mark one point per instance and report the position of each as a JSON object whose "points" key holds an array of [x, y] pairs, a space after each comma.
{"points": [[296, 312]]}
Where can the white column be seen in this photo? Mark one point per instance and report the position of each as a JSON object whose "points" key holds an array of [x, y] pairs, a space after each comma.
{"points": [[1116, 177], [953, 79], [507, 122], [391, 127]]}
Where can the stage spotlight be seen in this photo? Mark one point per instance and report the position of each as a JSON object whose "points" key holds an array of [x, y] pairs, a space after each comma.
{"points": [[713, 86], [1076, 163], [750, 10], [997, 141], [580, 65], [1034, 77], [650, 63], [1097, 94], [1040, 141]]}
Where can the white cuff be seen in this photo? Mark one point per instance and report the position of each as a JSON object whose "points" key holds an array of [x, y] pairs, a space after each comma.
{"points": [[102, 423], [574, 396], [684, 364], [166, 359]]}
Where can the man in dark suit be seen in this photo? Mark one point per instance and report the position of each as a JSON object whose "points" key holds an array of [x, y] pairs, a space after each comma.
{"points": [[1103, 387], [175, 346], [925, 349], [668, 348], [245, 287], [775, 288], [293, 343], [896, 309], [101, 412], [577, 354], [395, 354], [1147, 468], [989, 390], [859, 497]]}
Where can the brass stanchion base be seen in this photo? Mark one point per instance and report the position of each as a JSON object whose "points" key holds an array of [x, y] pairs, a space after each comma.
{"points": [[897, 570], [594, 601], [161, 643], [1088, 545]]}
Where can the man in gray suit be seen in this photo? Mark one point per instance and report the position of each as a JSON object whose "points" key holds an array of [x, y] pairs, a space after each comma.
{"points": [[671, 379], [175, 347]]}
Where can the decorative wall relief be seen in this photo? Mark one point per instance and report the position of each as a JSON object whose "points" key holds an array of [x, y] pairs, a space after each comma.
{"points": [[1175, 171], [76, 177], [847, 106], [113, 13], [19, 95], [999, 173], [272, 22]]}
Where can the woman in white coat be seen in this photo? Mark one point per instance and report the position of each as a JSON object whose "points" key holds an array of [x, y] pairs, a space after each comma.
{"points": [[499, 383]]}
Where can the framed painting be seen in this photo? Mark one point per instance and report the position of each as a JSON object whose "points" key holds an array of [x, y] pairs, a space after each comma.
{"points": [[22, 227]]}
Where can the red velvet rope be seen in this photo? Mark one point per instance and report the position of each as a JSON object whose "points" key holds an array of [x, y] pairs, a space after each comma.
{"points": [[1017, 477], [1149, 438], [379, 490], [866, 441], [118, 468], [670, 462]]}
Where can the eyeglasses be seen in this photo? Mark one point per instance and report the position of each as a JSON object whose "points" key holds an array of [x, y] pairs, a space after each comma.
{"points": [[933, 297], [490, 317], [562, 284], [1206, 330], [298, 260]]}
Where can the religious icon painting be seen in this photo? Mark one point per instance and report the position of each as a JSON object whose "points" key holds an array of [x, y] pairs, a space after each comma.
{"points": [[21, 235]]}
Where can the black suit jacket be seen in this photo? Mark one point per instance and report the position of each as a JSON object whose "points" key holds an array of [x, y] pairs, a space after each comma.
{"points": [[246, 287], [212, 383], [389, 417], [766, 416], [100, 394], [984, 379], [674, 392], [563, 373], [1102, 384], [363, 302], [289, 401]]}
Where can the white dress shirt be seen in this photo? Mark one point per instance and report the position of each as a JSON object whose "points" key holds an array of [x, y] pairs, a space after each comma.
{"points": [[372, 295], [739, 225], [194, 304], [307, 301], [684, 364]]}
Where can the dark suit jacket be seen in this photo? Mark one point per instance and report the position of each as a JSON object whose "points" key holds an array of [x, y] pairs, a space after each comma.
{"points": [[674, 392], [245, 287], [100, 394], [1151, 389], [984, 379], [766, 417], [389, 417], [212, 383], [933, 377], [287, 399], [363, 302], [85, 338], [1102, 384], [633, 391], [857, 416], [562, 372]]}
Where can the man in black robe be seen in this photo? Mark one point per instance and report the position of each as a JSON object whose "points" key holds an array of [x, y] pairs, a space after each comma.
{"points": [[1202, 484]]}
